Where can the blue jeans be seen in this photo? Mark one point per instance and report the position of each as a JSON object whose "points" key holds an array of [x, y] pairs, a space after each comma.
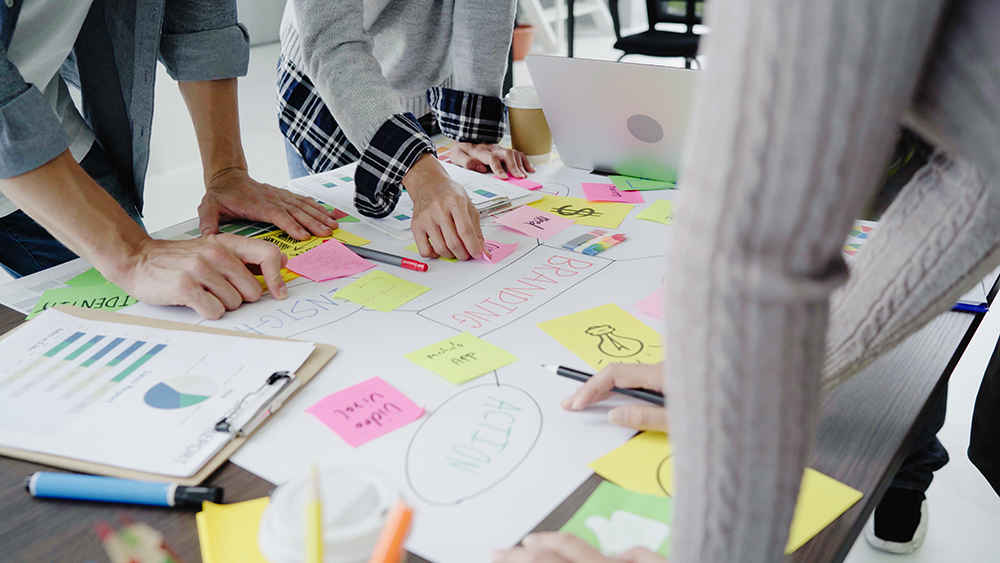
{"points": [[926, 455], [26, 247], [296, 166]]}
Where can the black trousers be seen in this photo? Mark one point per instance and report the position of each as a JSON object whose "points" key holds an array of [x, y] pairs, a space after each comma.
{"points": [[984, 442]]}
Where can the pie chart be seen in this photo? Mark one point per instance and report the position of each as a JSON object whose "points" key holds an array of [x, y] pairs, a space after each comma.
{"points": [[180, 392]]}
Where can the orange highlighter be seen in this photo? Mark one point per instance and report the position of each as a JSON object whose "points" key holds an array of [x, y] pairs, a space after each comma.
{"points": [[389, 548]]}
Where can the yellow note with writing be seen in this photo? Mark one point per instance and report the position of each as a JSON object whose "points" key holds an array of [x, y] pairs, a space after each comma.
{"points": [[292, 247], [606, 335], [661, 211], [595, 214], [228, 532], [461, 358], [381, 291], [645, 465]]}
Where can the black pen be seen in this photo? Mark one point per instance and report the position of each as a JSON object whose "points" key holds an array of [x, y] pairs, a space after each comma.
{"points": [[650, 396]]}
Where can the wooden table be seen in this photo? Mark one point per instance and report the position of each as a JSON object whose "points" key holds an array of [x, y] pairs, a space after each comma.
{"points": [[865, 431]]}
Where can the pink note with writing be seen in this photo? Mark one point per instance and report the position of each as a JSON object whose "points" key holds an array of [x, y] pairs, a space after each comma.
{"points": [[328, 261], [534, 223], [522, 183], [653, 304], [498, 251], [608, 192], [365, 411]]}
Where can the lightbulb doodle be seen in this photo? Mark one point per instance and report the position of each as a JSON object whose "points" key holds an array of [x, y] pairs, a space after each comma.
{"points": [[611, 335], [615, 345]]}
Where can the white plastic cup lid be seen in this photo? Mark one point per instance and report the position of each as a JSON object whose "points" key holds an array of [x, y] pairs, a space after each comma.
{"points": [[522, 97]]}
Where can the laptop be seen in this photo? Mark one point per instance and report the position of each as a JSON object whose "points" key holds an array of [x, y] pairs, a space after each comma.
{"points": [[618, 118]]}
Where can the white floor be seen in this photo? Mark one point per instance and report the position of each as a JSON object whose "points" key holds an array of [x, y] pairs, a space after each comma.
{"points": [[965, 512]]}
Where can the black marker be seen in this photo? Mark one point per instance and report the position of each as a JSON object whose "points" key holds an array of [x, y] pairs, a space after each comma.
{"points": [[650, 396]]}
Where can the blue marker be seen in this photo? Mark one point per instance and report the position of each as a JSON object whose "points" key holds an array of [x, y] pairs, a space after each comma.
{"points": [[44, 484]]}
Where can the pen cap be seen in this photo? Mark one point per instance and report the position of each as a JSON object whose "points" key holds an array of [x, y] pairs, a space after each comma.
{"points": [[194, 496], [354, 506]]}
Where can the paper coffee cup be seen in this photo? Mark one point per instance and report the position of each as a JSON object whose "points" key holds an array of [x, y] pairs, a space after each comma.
{"points": [[355, 503], [529, 132]]}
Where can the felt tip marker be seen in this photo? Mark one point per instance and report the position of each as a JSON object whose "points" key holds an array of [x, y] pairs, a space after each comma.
{"points": [[44, 484], [386, 258]]}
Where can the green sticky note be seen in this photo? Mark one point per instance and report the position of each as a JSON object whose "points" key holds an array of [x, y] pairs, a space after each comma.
{"points": [[413, 248], [615, 520], [339, 215], [88, 278], [104, 297], [628, 183], [461, 358], [381, 291], [661, 211]]}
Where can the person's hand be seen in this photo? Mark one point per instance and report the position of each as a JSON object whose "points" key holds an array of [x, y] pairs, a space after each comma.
{"points": [[623, 376], [233, 194], [563, 547], [208, 274], [445, 222], [483, 157]]}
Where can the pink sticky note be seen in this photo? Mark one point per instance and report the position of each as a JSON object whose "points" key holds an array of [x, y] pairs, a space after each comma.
{"points": [[534, 223], [498, 251], [653, 304], [522, 183], [328, 261], [365, 411], [608, 192]]}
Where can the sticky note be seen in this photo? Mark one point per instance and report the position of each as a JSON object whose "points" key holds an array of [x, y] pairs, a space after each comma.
{"points": [[340, 216], [286, 275], [228, 532], [534, 223], [606, 335], [608, 192], [591, 213], [522, 183], [661, 211], [365, 411], [381, 291], [653, 303], [498, 251], [347, 237], [462, 358], [628, 183], [615, 520], [292, 247], [645, 465], [104, 297], [328, 261], [88, 278], [413, 248]]}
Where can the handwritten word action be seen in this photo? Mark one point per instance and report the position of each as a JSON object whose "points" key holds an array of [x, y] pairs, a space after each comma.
{"points": [[366, 411], [328, 261], [534, 223], [461, 358]]}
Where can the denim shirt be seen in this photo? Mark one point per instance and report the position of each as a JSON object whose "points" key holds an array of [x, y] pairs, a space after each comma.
{"points": [[113, 63]]}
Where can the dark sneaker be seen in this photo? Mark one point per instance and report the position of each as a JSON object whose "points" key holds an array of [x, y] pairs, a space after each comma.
{"points": [[899, 524]]}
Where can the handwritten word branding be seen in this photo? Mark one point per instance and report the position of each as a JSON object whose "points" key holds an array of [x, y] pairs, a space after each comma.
{"points": [[365, 411]]}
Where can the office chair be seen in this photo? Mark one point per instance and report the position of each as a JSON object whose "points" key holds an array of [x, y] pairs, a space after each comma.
{"points": [[657, 43]]}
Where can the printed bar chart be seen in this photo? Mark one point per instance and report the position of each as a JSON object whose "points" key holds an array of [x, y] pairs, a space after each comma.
{"points": [[120, 377], [59, 364], [105, 368], [86, 363], [40, 361]]}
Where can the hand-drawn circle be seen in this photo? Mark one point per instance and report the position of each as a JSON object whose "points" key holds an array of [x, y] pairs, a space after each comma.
{"points": [[644, 128], [419, 454], [659, 474]]}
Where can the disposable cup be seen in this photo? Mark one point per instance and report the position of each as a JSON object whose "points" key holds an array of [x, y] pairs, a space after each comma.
{"points": [[529, 132], [354, 502]]}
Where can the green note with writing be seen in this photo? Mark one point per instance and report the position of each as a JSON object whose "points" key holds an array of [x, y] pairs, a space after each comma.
{"points": [[104, 297], [462, 358]]}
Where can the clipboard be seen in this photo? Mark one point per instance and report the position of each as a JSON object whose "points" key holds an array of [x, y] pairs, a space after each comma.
{"points": [[322, 353]]}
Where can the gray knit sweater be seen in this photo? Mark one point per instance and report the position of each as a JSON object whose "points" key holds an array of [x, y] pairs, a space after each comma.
{"points": [[797, 112], [372, 59]]}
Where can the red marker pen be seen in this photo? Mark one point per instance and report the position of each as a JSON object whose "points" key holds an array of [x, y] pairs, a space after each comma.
{"points": [[385, 257]]}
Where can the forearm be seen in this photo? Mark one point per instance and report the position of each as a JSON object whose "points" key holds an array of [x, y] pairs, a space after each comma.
{"points": [[64, 199], [214, 109]]}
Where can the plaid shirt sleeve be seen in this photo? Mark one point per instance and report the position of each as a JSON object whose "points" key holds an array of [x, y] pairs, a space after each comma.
{"points": [[394, 148], [467, 117]]}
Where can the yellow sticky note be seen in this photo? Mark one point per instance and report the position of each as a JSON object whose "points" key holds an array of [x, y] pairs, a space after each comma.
{"points": [[381, 291], [286, 275], [592, 213], [413, 248], [347, 237], [645, 465], [661, 211], [292, 247], [606, 335], [461, 358], [228, 532]]}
